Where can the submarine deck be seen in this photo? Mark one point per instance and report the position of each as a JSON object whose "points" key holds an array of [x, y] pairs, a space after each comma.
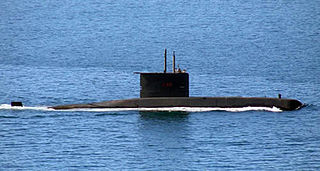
{"points": [[224, 102]]}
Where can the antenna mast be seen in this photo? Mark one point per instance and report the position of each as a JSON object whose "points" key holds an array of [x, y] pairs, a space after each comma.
{"points": [[174, 62], [165, 60]]}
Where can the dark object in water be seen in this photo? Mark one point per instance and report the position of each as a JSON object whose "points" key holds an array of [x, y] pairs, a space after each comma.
{"points": [[223, 102], [172, 90], [16, 104]]}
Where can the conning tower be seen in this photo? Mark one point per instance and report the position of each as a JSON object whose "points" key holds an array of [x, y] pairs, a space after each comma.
{"points": [[166, 84]]}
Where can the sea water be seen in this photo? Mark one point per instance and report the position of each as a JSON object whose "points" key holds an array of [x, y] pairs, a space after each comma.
{"points": [[66, 52]]}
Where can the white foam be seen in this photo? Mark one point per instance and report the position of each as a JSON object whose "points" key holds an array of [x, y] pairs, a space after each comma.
{"points": [[9, 107], [169, 109], [208, 109]]}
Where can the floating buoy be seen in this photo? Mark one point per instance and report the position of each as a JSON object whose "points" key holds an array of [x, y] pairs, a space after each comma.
{"points": [[16, 104]]}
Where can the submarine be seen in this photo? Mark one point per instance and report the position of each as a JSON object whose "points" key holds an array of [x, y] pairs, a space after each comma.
{"points": [[171, 89]]}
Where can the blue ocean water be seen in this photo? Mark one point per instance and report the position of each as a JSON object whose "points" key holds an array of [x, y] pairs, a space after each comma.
{"points": [[63, 52]]}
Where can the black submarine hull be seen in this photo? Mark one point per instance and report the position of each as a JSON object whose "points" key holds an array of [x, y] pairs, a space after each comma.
{"points": [[223, 102]]}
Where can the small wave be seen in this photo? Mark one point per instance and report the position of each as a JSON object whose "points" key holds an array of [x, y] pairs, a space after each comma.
{"points": [[164, 109]]}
